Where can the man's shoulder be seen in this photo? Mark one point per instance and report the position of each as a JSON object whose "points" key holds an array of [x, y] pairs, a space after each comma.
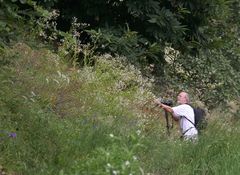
{"points": [[184, 106], [187, 106], [181, 107]]}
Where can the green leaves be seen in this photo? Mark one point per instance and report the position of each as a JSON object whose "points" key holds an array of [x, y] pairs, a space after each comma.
{"points": [[21, 1], [122, 42], [167, 25]]}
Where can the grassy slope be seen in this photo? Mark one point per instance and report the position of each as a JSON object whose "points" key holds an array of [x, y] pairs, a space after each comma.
{"points": [[93, 120]]}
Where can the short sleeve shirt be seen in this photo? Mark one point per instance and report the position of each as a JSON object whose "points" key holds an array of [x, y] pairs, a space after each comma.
{"points": [[182, 112]]}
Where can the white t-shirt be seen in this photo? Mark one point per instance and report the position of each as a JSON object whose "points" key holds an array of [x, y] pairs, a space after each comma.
{"points": [[186, 126]]}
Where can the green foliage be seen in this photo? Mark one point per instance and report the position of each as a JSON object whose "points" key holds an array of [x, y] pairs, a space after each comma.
{"points": [[71, 48], [63, 117], [93, 119], [169, 28], [117, 158], [124, 43], [90, 121], [48, 4], [214, 72], [206, 157], [141, 31], [18, 20], [7, 21], [210, 75], [180, 23], [203, 157]]}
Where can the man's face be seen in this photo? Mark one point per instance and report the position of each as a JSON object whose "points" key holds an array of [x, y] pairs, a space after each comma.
{"points": [[181, 98]]}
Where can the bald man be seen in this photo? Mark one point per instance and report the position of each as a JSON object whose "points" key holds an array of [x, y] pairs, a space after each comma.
{"points": [[184, 114]]}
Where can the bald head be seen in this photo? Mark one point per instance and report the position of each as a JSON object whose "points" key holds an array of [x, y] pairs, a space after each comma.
{"points": [[183, 98]]}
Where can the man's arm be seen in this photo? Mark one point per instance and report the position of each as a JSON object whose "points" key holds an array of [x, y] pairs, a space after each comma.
{"points": [[167, 108]]}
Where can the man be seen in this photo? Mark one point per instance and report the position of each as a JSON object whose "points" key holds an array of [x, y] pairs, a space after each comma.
{"points": [[184, 114]]}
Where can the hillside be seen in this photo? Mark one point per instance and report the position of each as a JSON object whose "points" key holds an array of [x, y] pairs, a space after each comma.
{"points": [[96, 120], [78, 81]]}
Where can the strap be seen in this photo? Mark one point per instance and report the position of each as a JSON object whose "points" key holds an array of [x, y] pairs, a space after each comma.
{"points": [[190, 127], [187, 131], [189, 120]]}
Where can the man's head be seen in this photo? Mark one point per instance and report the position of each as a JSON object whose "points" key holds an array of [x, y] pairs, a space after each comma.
{"points": [[183, 98]]}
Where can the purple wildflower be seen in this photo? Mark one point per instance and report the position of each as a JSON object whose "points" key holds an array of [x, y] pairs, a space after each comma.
{"points": [[12, 134]]}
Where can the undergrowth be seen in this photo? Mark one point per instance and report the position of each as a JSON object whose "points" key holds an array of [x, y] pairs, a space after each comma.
{"points": [[57, 119]]}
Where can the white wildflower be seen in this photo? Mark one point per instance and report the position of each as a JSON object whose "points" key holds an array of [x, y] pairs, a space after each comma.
{"points": [[32, 99], [25, 97], [68, 80], [33, 94], [107, 56], [111, 135], [141, 170], [134, 157], [138, 132], [59, 73], [115, 172], [64, 76], [56, 81], [127, 163]]}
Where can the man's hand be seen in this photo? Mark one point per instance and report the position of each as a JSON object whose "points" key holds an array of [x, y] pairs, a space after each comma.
{"points": [[165, 107], [158, 102]]}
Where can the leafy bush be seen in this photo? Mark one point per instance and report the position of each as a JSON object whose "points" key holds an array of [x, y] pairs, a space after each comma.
{"points": [[212, 76]]}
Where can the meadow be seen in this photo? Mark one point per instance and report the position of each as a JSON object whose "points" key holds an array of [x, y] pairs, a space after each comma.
{"points": [[56, 118]]}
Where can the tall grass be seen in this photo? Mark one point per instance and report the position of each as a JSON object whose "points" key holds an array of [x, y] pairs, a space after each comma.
{"points": [[92, 120], [66, 118]]}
